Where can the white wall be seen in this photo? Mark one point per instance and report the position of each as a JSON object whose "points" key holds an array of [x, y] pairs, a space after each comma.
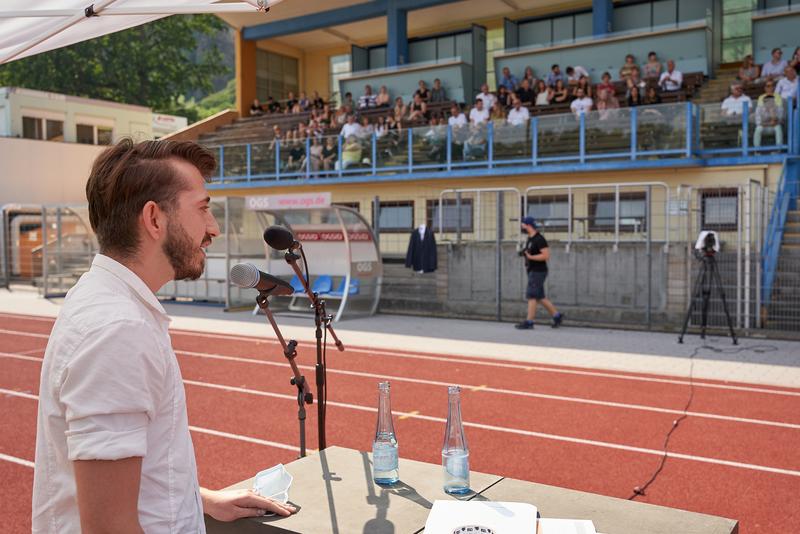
{"points": [[42, 172]]}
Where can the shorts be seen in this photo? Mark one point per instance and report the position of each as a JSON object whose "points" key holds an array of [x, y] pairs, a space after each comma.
{"points": [[536, 284]]}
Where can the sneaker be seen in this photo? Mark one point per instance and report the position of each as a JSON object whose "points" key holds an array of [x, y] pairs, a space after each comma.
{"points": [[524, 325], [557, 318]]}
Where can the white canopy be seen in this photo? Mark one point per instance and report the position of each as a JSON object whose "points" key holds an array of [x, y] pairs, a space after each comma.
{"points": [[28, 27]]}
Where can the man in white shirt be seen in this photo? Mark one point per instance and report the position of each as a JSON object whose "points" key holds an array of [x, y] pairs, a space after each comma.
{"points": [[734, 104], [113, 449], [574, 74], [672, 79], [519, 115], [488, 98], [774, 68], [478, 114], [457, 118], [351, 127], [582, 103], [787, 86]]}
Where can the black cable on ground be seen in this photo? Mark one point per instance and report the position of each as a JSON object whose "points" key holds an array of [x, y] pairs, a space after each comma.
{"points": [[759, 349]]}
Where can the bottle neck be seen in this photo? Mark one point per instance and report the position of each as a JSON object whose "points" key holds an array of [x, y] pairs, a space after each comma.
{"points": [[384, 411]]}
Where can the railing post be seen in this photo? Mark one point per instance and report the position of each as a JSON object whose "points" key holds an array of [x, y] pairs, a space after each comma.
{"points": [[277, 159], [374, 153], [410, 141], [449, 150], [535, 141], [790, 133], [221, 163], [616, 218], [689, 125], [490, 141], [745, 129], [308, 158], [582, 137], [339, 156], [248, 162], [634, 136]]}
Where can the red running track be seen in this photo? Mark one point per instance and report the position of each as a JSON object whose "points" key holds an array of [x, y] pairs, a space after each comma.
{"points": [[736, 455]]}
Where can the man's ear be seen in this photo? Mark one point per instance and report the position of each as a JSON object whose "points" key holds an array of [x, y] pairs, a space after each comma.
{"points": [[154, 220]]}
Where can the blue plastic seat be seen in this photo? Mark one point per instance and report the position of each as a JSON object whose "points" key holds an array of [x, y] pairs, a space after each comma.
{"points": [[355, 283], [297, 285], [323, 284]]}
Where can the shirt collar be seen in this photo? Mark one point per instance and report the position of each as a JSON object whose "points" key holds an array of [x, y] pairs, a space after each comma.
{"points": [[132, 280]]}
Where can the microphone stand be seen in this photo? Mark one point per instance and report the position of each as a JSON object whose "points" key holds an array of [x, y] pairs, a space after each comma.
{"points": [[304, 395], [321, 318]]}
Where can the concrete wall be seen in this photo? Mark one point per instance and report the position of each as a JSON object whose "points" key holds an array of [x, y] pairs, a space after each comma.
{"points": [[775, 30], [42, 172]]}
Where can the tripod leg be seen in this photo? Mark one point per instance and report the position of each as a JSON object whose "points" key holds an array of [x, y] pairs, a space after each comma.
{"points": [[724, 302], [706, 300], [692, 303]]}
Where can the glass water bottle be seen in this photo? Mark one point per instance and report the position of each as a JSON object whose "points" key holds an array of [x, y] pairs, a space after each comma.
{"points": [[385, 469], [455, 453]]}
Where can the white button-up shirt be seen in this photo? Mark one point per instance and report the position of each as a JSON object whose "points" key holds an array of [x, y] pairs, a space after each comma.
{"points": [[111, 389]]}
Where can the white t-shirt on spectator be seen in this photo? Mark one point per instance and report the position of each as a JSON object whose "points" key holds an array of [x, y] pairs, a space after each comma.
{"points": [[456, 121], [111, 389], [735, 106], [478, 117], [488, 100], [518, 117], [787, 89], [671, 81], [581, 105], [578, 71], [773, 69], [351, 129]]}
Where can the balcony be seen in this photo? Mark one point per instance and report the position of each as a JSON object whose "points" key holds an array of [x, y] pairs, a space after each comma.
{"points": [[666, 135]]}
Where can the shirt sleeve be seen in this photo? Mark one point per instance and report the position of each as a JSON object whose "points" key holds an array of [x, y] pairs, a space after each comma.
{"points": [[110, 390], [542, 242]]}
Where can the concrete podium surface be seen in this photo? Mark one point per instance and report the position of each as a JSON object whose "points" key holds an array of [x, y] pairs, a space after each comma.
{"points": [[334, 493]]}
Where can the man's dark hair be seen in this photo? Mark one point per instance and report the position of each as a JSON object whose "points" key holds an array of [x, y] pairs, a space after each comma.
{"points": [[126, 176], [570, 70], [776, 49], [554, 67]]}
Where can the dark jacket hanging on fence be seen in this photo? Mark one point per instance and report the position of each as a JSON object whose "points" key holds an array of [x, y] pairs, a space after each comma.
{"points": [[421, 255]]}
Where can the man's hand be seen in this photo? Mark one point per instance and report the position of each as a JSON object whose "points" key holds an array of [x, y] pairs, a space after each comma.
{"points": [[230, 505]]}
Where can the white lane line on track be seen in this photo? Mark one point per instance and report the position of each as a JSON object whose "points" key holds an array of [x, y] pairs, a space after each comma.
{"points": [[480, 389], [24, 334], [472, 361], [15, 460], [528, 433], [212, 432]]}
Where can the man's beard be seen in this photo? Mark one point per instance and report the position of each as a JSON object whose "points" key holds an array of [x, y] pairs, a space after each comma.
{"points": [[182, 253]]}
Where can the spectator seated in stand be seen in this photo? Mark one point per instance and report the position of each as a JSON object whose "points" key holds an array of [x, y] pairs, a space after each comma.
{"points": [[652, 69], [733, 105], [497, 115], [634, 97], [351, 128], [457, 118], [436, 139], [291, 103], [509, 81], [437, 92], [774, 68], [488, 98], [606, 84], [478, 114], [351, 153], [272, 106], [503, 97], [794, 62], [330, 153], [367, 100], [652, 97], [315, 155], [607, 103], [303, 102], [525, 93], [340, 117], [383, 100], [544, 94], [626, 69], [531, 77], [634, 80], [423, 91], [554, 76], [583, 83], [519, 114], [255, 108], [418, 111], [365, 134], [672, 79], [560, 93], [582, 104], [400, 109], [787, 86], [475, 144], [317, 102], [347, 101], [749, 71], [574, 74], [769, 115], [297, 154]]}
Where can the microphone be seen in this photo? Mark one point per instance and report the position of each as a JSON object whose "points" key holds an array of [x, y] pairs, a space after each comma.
{"points": [[247, 275], [280, 238]]}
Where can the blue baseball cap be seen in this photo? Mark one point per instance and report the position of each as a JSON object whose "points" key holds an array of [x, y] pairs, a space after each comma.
{"points": [[530, 221]]}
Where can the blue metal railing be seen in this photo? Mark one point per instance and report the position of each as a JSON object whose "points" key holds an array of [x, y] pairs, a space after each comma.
{"points": [[785, 198], [666, 132]]}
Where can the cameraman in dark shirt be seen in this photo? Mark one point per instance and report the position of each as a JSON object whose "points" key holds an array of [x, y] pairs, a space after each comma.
{"points": [[536, 254]]}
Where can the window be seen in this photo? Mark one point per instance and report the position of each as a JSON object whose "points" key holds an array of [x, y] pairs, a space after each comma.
{"points": [[551, 212], [719, 209], [396, 217], [632, 212], [89, 134], [41, 128], [450, 215], [340, 67], [276, 75], [352, 205], [495, 40]]}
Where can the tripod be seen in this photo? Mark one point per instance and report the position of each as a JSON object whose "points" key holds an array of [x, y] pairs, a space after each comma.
{"points": [[706, 278]]}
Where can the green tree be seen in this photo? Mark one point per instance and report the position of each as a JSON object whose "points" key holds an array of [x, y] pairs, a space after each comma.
{"points": [[151, 65]]}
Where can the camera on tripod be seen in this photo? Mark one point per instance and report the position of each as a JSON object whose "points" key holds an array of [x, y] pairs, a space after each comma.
{"points": [[707, 243]]}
